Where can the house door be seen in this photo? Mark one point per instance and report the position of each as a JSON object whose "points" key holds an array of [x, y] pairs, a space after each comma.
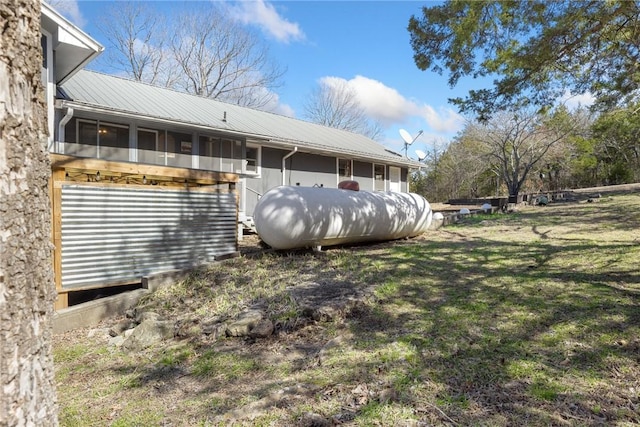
{"points": [[394, 179]]}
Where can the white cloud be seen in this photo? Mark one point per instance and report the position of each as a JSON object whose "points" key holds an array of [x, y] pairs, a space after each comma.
{"points": [[264, 15], [576, 101], [389, 107], [276, 107], [70, 10]]}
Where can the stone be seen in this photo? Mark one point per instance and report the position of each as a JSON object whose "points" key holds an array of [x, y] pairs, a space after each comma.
{"points": [[147, 315], [311, 419], [117, 341], [262, 329], [148, 333], [121, 326], [325, 314], [214, 330], [242, 326]]}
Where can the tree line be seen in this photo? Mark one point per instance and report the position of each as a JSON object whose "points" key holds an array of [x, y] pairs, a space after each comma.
{"points": [[530, 152]]}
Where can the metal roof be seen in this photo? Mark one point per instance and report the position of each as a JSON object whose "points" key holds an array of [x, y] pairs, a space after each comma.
{"points": [[92, 91]]}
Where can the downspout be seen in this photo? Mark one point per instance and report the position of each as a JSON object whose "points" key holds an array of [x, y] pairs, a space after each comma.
{"points": [[61, 131], [295, 149]]}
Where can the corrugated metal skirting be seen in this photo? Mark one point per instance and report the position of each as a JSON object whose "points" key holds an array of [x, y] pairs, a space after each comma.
{"points": [[112, 235]]}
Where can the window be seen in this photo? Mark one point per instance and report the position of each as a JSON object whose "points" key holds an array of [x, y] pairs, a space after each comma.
{"points": [[102, 140], [87, 133], [394, 178], [148, 147], [229, 155], [163, 147], [113, 135], [379, 177], [177, 147], [176, 143], [252, 159], [147, 139], [45, 50], [209, 153], [345, 169]]}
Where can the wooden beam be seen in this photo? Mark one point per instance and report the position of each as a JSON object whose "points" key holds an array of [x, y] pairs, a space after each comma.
{"points": [[61, 161], [56, 229]]}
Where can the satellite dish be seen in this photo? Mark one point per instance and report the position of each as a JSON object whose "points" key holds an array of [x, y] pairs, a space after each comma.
{"points": [[421, 155], [406, 137]]}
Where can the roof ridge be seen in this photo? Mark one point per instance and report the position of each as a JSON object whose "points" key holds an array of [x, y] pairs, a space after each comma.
{"points": [[158, 87]]}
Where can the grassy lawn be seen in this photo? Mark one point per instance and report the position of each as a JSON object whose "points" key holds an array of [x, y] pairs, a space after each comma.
{"points": [[528, 318]]}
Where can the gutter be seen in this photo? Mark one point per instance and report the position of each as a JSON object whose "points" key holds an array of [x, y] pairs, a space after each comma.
{"points": [[61, 131], [295, 150]]}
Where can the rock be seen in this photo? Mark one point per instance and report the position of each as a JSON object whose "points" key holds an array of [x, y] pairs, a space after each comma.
{"points": [[262, 329], [311, 419], [148, 333], [242, 326], [147, 315], [117, 341], [325, 314], [187, 328], [214, 330], [121, 326]]}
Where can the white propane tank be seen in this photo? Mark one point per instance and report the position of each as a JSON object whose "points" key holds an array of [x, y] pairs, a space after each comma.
{"points": [[309, 217]]}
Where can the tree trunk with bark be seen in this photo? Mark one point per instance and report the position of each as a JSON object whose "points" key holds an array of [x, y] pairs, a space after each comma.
{"points": [[27, 292]]}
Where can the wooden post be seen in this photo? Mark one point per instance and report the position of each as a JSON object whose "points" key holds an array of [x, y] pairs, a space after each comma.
{"points": [[56, 181]]}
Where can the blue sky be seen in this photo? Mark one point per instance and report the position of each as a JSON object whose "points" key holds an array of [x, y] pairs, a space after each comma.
{"points": [[364, 43]]}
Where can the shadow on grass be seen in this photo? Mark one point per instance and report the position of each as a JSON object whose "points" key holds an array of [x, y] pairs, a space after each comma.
{"points": [[518, 332], [468, 329]]}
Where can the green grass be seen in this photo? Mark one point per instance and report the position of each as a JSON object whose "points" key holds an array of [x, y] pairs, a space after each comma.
{"points": [[527, 318]]}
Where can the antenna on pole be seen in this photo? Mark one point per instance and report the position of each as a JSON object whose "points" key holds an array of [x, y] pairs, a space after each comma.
{"points": [[408, 140]]}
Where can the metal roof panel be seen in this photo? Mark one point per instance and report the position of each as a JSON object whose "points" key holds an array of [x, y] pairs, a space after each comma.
{"points": [[101, 91]]}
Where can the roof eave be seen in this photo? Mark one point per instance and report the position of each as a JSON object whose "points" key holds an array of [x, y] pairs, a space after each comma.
{"points": [[75, 48]]}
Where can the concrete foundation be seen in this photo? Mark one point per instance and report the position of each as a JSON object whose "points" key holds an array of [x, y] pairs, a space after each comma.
{"points": [[92, 312]]}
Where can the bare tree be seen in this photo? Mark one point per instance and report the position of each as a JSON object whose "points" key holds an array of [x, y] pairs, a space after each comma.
{"points": [[516, 142], [463, 168], [137, 37], [27, 293], [336, 105], [200, 51], [220, 59]]}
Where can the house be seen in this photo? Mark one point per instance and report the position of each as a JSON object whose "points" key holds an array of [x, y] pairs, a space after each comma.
{"points": [[155, 125], [147, 179]]}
